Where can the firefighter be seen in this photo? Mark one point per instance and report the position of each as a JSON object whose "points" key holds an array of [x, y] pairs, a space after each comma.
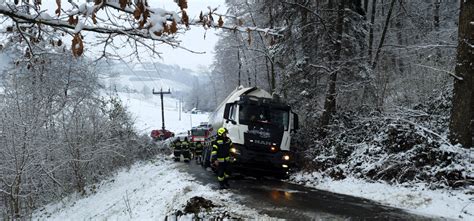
{"points": [[185, 150], [198, 148], [192, 148], [176, 145], [220, 155]]}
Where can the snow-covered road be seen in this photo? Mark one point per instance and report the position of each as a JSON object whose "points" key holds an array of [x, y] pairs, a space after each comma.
{"points": [[147, 191]]}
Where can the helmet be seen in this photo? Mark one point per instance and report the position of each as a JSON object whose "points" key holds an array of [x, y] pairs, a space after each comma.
{"points": [[221, 131]]}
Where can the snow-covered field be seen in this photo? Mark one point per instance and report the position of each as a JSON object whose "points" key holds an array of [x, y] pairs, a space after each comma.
{"points": [[147, 113], [156, 189]]}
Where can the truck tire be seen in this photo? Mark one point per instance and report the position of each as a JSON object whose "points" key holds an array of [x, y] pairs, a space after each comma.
{"points": [[282, 176]]}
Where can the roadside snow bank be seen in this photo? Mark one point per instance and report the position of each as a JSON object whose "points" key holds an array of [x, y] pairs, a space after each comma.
{"points": [[452, 204], [147, 191]]}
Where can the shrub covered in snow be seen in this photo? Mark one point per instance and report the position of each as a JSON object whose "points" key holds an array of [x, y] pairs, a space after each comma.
{"points": [[398, 146]]}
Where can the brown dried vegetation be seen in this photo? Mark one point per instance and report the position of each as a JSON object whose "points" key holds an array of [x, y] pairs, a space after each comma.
{"points": [[77, 47]]}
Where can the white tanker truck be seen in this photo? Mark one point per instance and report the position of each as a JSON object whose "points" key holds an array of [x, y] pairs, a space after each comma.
{"points": [[260, 128]]}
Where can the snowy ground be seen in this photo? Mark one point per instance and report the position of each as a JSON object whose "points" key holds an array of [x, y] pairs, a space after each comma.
{"points": [[449, 204], [147, 191], [153, 190]]}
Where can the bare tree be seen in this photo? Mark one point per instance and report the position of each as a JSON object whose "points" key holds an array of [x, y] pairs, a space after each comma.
{"points": [[462, 114]]}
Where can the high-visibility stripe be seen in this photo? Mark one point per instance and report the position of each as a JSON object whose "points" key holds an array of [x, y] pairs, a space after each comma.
{"points": [[215, 146], [220, 178], [226, 175], [222, 159]]}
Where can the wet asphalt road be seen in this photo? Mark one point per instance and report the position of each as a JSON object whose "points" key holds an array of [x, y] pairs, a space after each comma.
{"points": [[294, 202]]}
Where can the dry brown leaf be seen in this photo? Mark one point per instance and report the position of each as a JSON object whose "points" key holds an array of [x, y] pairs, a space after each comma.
{"points": [[137, 13], [58, 10], [174, 27], [220, 22], [94, 19], [185, 18], [157, 33], [123, 3], [166, 28], [77, 45], [72, 20], [183, 4], [249, 40], [141, 24]]}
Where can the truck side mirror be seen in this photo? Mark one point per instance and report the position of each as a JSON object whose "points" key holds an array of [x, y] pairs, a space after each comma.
{"points": [[227, 111]]}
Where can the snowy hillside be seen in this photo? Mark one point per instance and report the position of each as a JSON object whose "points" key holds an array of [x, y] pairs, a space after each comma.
{"points": [[147, 113]]}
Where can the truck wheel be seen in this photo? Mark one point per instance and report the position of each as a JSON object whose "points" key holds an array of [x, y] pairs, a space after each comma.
{"points": [[282, 176]]}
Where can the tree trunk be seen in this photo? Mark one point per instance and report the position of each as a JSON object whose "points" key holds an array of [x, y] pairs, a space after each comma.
{"points": [[366, 8], [273, 82], [240, 66], [462, 111], [330, 101], [436, 14], [384, 33], [399, 25], [371, 29]]}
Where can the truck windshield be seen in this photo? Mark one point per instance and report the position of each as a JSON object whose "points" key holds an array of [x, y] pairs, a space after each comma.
{"points": [[198, 132], [263, 114]]}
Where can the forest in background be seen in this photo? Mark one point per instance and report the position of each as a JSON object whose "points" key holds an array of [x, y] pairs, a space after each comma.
{"points": [[372, 82]]}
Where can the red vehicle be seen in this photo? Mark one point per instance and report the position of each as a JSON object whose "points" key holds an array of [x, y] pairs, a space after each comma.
{"points": [[162, 134], [200, 133]]}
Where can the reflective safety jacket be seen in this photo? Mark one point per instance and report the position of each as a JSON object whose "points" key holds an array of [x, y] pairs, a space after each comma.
{"points": [[184, 145], [176, 145], [198, 146], [221, 149]]}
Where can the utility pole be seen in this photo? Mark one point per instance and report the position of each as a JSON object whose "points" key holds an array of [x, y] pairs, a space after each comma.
{"points": [[162, 105], [180, 108]]}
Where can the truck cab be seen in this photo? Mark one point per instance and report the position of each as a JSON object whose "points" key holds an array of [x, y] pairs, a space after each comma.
{"points": [[260, 127]]}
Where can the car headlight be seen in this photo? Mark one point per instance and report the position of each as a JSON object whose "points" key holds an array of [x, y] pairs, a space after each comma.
{"points": [[286, 157], [234, 150]]}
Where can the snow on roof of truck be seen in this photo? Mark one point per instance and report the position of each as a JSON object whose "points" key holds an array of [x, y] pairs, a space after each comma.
{"points": [[252, 91]]}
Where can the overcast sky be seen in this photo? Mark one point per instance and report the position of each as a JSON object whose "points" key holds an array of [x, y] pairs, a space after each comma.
{"points": [[192, 39]]}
